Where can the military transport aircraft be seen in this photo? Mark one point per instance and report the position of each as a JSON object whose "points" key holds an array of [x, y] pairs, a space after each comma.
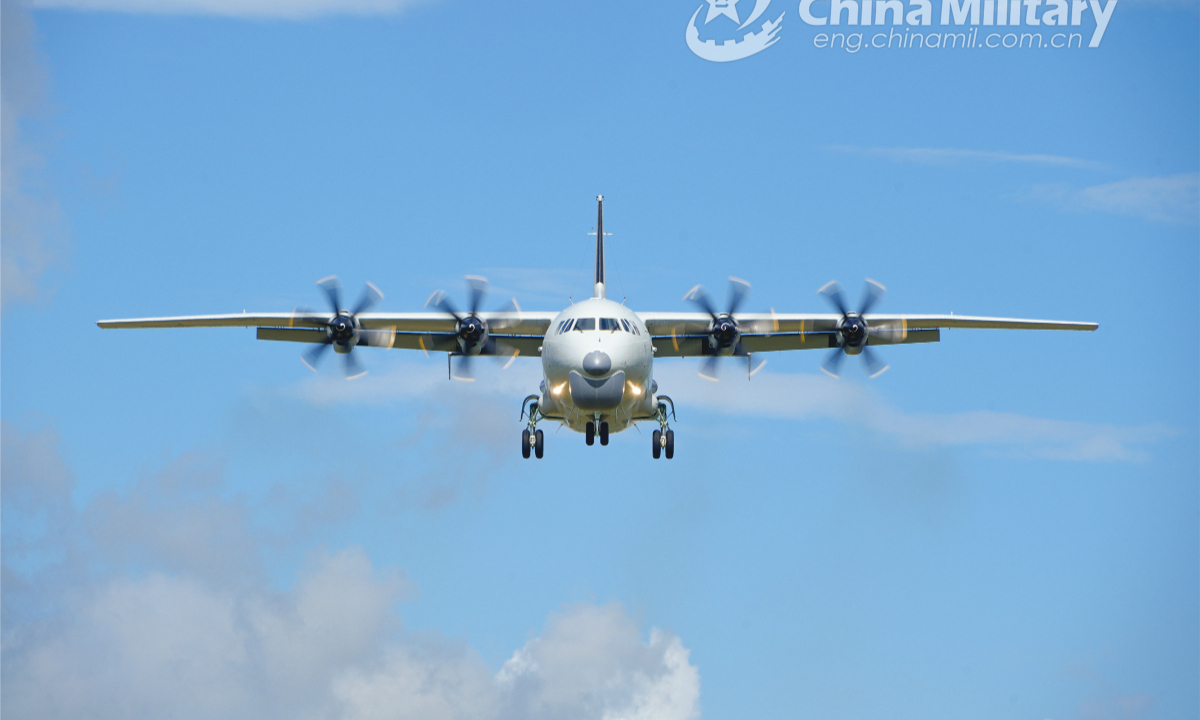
{"points": [[598, 355]]}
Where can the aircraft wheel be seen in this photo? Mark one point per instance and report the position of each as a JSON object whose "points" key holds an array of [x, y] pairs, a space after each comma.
{"points": [[539, 444], [590, 432], [603, 433], [657, 438], [525, 444], [670, 444]]}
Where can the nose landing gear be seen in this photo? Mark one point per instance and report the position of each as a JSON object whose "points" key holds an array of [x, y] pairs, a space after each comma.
{"points": [[593, 428]]}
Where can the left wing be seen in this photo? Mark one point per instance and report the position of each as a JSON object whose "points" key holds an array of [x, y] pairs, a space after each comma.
{"points": [[685, 334]]}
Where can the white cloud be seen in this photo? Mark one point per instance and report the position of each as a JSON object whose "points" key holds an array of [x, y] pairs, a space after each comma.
{"points": [[33, 232], [1110, 706], [804, 397], [770, 395], [1173, 199], [131, 620], [591, 662], [953, 155], [289, 9]]}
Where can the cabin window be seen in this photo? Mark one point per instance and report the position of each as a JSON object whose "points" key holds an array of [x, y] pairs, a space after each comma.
{"points": [[585, 324], [609, 324]]}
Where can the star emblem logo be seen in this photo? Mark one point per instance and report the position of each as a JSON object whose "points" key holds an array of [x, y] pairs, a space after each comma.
{"points": [[728, 8]]}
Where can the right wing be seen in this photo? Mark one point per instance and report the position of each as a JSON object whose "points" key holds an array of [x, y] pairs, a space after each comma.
{"points": [[428, 331]]}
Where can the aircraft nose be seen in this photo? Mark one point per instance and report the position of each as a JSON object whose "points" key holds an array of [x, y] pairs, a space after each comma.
{"points": [[596, 363]]}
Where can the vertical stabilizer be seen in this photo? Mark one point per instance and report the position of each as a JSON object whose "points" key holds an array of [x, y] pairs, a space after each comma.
{"points": [[599, 289]]}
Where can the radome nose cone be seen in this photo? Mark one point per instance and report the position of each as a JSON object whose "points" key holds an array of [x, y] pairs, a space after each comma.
{"points": [[596, 363]]}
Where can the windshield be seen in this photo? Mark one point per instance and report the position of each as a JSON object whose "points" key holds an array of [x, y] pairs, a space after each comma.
{"points": [[585, 324], [609, 324]]}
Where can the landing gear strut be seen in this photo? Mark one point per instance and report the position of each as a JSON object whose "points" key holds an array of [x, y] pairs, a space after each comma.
{"points": [[531, 437], [664, 437]]}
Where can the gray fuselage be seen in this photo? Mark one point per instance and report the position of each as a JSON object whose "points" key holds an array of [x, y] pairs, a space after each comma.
{"points": [[597, 359]]}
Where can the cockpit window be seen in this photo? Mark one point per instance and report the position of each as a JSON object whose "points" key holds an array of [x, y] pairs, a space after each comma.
{"points": [[609, 324], [625, 324], [585, 324]]}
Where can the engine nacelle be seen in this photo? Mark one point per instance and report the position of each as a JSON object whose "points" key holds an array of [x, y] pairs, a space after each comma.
{"points": [[472, 332], [723, 335]]}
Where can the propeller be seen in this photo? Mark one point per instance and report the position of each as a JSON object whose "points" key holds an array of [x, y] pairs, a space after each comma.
{"points": [[724, 332], [473, 333], [853, 331], [343, 331]]}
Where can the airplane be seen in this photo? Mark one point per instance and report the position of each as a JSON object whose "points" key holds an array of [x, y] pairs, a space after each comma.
{"points": [[598, 355]]}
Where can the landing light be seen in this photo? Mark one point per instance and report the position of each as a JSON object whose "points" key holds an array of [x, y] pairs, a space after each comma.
{"points": [[558, 390], [635, 389]]}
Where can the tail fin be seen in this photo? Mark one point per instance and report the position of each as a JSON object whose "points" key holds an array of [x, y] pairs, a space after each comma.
{"points": [[599, 289]]}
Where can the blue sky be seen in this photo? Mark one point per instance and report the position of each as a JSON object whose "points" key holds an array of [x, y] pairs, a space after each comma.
{"points": [[1002, 525]]}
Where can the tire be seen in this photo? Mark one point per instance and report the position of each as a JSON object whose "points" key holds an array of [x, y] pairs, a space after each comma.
{"points": [[670, 444], [603, 433], [590, 433], [657, 437], [525, 444], [539, 445]]}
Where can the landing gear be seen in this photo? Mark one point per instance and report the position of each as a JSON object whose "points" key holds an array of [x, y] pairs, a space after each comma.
{"points": [[663, 441], [603, 433], [531, 437], [664, 437], [589, 433]]}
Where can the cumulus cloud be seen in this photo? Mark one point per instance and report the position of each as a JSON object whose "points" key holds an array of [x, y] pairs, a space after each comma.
{"points": [[153, 610], [289, 9], [931, 156], [33, 231], [1173, 199]]}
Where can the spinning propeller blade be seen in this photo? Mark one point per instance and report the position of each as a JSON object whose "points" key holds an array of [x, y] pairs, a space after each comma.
{"points": [[724, 331], [854, 333], [472, 331], [343, 328]]}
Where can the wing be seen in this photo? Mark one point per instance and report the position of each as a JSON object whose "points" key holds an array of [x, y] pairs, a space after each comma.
{"points": [[428, 331], [685, 334]]}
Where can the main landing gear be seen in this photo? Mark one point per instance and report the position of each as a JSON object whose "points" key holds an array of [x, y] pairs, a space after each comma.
{"points": [[532, 438], [664, 438]]}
